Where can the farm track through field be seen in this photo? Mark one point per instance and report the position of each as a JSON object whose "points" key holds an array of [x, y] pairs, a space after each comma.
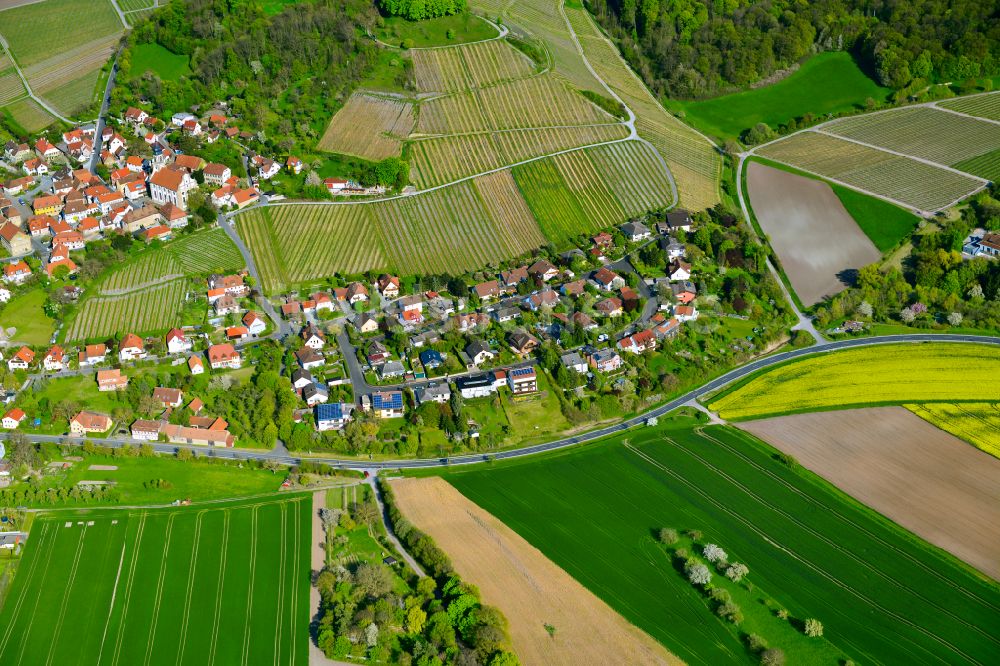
{"points": [[159, 590], [817, 569], [66, 593], [846, 521], [253, 574], [182, 641], [217, 616]]}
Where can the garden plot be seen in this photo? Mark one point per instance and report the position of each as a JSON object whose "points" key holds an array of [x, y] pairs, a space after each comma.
{"points": [[922, 478], [921, 131], [911, 183], [369, 126], [819, 244], [529, 588], [456, 68], [984, 106]]}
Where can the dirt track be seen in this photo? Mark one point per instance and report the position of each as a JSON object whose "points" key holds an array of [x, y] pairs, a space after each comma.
{"points": [[926, 480], [530, 590], [813, 234]]}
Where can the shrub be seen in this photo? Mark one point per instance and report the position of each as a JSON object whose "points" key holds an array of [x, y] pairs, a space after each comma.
{"points": [[730, 612], [720, 595], [667, 536], [756, 643], [782, 614]]}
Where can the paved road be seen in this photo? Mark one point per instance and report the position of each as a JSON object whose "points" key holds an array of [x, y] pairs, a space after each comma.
{"points": [[281, 327], [375, 466], [105, 102]]}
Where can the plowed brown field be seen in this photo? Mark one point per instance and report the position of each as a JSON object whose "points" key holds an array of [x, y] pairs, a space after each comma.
{"points": [[935, 485], [528, 587]]}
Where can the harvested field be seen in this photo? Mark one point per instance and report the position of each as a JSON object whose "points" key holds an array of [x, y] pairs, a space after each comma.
{"points": [[921, 131], [370, 127], [818, 242], [456, 68], [909, 182], [984, 106], [922, 478], [11, 87], [528, 587], [29, 115]]}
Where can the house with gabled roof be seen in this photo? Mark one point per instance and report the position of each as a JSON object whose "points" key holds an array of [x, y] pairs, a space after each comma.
{"points": [[679, 270], [111, 380], [86, 422], [606, 279], [13, 418], [254, 322], [333, 416], [224, 356], [21, 360], [543, 270], [55, 359], [171, 186], [16, 272], [177, 342], [638, 343], [131, 348], [93, 354], [635, 231]]}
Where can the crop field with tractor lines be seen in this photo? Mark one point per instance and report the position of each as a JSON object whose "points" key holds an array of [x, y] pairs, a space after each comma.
{"points": [[144, 310], [11, 87], [27, 113], [939, 136], [468, 66], [221, 584], [914, 184], [976, 422], [370, 127], [983, 106], [878, 375], [64, 23]]}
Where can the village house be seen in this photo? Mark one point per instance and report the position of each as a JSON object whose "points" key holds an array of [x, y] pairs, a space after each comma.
{"points": [[546, 298], [679, 270], [377, 353], [464, 323], [476, 386], [21, 360], [366, 323], [171, 186], [639, 342], [312, 337], [635, 231], [333, 416], [178, 434], [607, 279], [301, 378], [384, 404], [685, 313], [667, 330], [254, 322], [196, 365], [134, 116], [678, 220], [356, 293], [35, 167], [610, 307], [86, 422], [573, 361], [224, 356], [522, 381], [177, 342], [521, 342], [479, 352], [309, 358], [175, 216], [683, 292], [434, 392], [13, 418], [237, 332], [15, 241], [387, 286], [294, 164], [391, 369], [224, 304], [146, 430], [46, 150], [55, 359], [487, 291], [47, 205], [543, 270], [245, 197], [131, 348], [514, 277], [93, 354], [604, 360], [168, 397], [430, 359], [111, 380]]}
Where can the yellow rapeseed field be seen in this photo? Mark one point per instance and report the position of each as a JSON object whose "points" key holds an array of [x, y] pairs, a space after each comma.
{"points": [[879, 375], [976, 422]]}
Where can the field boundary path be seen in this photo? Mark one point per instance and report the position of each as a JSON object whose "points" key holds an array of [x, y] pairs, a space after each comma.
{"points": [[639, 420], [383, 512]]}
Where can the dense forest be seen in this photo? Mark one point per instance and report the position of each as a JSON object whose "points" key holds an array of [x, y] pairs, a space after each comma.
{"points": [[282, 75], [698, 48]]}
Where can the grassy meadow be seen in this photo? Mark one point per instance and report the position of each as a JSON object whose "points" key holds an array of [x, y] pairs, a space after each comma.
{"points": [[25, 313], [462, 28], [889, 374], [218, 584], [154, 58], [882, 595], [825, 83]]}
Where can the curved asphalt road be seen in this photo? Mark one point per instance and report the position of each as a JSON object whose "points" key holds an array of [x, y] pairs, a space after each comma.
{"points": [[719, 382]]}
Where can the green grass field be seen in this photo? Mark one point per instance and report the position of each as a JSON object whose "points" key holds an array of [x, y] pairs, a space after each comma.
{"points": [[25, 314], [216, 584], [826, 83], [882, 595], [985, 166], [153, 57], [878, 375], [69, 23], [434, 32]]}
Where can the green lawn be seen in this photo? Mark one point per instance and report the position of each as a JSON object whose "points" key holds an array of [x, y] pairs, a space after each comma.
{"points": [[154, 58], [882, 595], [217, 584], [534, 417], [25, 313], [826, 83], [465, 27], [188, 480]]}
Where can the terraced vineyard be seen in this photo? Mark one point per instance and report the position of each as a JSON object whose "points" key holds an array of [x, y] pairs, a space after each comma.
{"points": [[939, 136], [144, 311], [326, 240], [976, 422], [911, 183], [693, 160], [985, 166], [984, 106], [139, 272], [257, 231], [370, 127], [467, 66], [444, 160]]}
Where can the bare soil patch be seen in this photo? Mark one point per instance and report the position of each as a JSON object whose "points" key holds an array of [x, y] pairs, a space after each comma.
{"points": [[103, 468], [528, 587], [924, 479], [819, 243]]}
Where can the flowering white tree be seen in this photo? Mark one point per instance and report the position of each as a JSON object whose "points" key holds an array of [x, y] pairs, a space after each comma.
{"points": [[865, 309], [698, 573], [713, 553], [907, 316], [371, 635], [955, 318], [736, 571], [813, 628], [975, 291]]}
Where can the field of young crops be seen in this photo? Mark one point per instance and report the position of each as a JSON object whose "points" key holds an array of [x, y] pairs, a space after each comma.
{"points": [[56, 26], [976, 422], [541, 101], [923, 132], [456, 68], [144, 311], [984, 106], [448, 231], [446, 159], [29, 115], [879, 375], [318, 241], [134, 5], [11, 87], [368, 126], [914, 184], [693, 160]]}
